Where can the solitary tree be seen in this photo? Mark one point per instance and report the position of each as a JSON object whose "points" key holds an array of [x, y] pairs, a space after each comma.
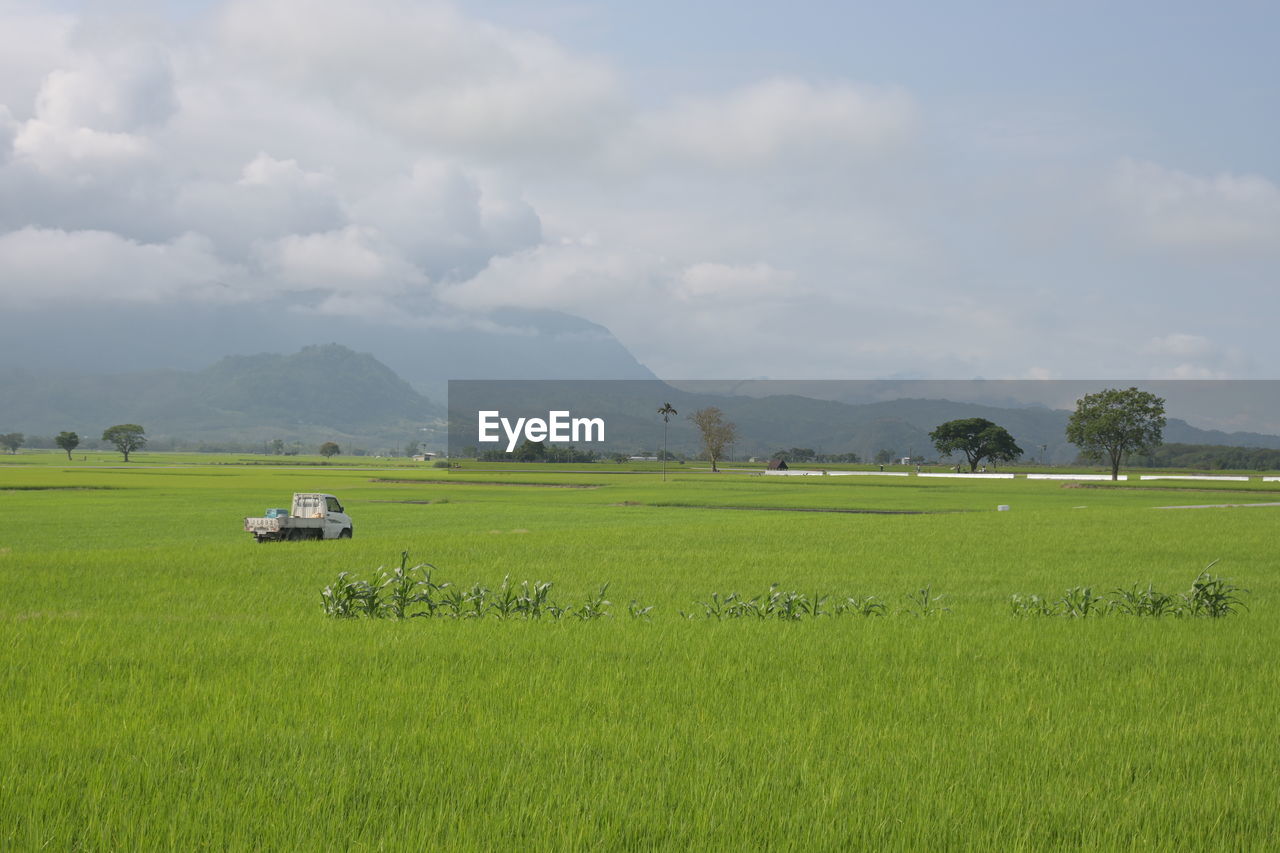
{"points": [[884, 457], [330, 448], [126, 437], [68, 441], [717, 433], [1111, 423], [977, 439], [666, 411], [13, 440]]}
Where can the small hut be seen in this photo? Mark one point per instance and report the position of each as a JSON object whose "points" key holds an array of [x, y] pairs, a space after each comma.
{"points": [[777, 465]]}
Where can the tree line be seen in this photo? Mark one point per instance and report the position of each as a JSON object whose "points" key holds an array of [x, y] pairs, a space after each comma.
{"points": [[1108, 426], [126, 438], [1214, 457]]}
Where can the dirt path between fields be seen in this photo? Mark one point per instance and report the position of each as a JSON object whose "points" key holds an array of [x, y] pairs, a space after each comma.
{"points": [[846, 510], [1218, 506], [1183, 489], [388, 480]]}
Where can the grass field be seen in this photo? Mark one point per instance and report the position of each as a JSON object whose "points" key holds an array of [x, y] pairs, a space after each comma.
{"points": [[168, 683]]}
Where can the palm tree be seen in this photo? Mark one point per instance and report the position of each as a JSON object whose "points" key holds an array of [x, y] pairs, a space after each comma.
{"points": [[666, 411]]}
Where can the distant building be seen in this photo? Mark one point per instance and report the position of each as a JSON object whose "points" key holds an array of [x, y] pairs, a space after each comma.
{"points": [[642, 458], [778, 465], [425, 457]]}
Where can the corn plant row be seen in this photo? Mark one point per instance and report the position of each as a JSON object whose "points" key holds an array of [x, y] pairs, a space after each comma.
{"points": [[408, 592], [1210, 597], [794, 606]]}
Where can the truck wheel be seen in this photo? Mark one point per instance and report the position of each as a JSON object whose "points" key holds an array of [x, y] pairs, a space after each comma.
{"points": [[345, 533]]}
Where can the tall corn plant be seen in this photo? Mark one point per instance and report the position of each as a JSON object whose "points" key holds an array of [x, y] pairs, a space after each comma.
{"points": [[1080, 602], [344, 598], [596, 606], [1139, 601], [1212, 596], [924, 603]]}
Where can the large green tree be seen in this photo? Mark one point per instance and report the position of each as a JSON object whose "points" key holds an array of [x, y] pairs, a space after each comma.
{"points": [[68, 441], [126, 437], [977, 439], [717, 433], [13, 440], [330, 448], [1109, 424]]}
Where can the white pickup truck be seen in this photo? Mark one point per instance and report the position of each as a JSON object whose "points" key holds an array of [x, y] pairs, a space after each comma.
{"points": [[312, 516]]}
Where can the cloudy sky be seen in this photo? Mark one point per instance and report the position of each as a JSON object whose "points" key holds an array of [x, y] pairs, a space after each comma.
{"points": [[800, 189]]}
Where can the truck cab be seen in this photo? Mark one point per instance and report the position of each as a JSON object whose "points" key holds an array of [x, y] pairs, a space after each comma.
{"points": [[326, 507]]}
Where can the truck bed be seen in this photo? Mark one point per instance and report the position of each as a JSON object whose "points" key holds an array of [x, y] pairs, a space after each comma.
{"points": [[263, 525]]}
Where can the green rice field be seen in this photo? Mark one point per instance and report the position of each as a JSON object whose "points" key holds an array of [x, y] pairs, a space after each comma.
{"points": [[168, 683]]}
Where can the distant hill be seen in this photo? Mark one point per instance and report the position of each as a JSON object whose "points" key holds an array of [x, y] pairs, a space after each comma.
{"points": [[425, 346], [317, 394]]}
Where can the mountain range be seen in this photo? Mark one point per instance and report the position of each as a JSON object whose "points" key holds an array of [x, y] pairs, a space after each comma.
{"points": [[321, 393], [425, 347], [380, 384]]}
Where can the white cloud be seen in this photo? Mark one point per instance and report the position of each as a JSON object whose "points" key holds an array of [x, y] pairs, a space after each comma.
{"points": [[352, 259], [44, 266], [571, 276], [9, 128], [1182, 345], [266, 171], [778, 119], [77, 152], [446, 221], [33, 41], [271, 198], [380, 153], [427, 72], [121, 92], [1169, 209], [718, 282], [89, 116], [1179, 355]]}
